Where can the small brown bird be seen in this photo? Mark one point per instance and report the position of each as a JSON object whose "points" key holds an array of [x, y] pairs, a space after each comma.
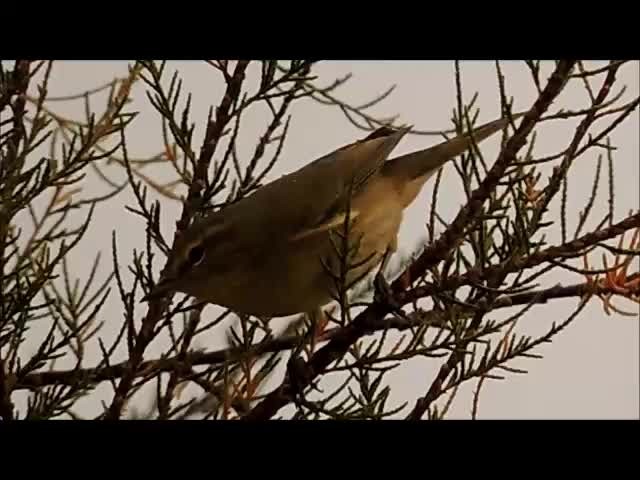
{"points": [[269, 253]]}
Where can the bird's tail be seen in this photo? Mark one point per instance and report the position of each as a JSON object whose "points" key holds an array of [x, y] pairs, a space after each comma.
{"points": [[425, 163]]}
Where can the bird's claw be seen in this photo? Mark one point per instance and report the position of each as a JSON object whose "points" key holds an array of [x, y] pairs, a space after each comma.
{"points": [[298, 372], [384, 293]]}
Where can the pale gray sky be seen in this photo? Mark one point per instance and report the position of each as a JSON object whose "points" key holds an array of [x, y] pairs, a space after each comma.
{"points": [[589, 371]]}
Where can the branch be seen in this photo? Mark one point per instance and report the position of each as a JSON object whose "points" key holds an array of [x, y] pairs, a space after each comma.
{"points": [[185, 361], [156, 307], [6, 407], [11, 167], [431, 256], [435, 389], [571, 249], [470, 213]]}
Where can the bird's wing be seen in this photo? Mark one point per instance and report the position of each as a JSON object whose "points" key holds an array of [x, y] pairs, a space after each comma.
{"points": [[409, 172], [314, 197], [332, 222]]}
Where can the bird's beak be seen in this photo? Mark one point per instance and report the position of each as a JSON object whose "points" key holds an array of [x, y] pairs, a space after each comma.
{"points": [[162, 288]]}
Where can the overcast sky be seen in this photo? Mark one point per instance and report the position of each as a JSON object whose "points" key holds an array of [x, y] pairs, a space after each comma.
{"points": [[589, 371]]}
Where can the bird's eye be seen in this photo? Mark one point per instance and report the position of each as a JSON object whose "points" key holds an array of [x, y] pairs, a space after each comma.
{"points": [[195, 255]]}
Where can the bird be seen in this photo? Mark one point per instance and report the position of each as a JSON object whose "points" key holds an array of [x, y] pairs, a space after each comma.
{"points": [[279, 250]]}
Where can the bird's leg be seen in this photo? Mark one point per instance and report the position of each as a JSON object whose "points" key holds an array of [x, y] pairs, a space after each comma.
{"points": [[297, 367], [383, 293]]}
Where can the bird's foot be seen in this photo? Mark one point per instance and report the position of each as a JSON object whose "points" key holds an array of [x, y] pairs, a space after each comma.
{"points": [[299, 373], [384, 293]]}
